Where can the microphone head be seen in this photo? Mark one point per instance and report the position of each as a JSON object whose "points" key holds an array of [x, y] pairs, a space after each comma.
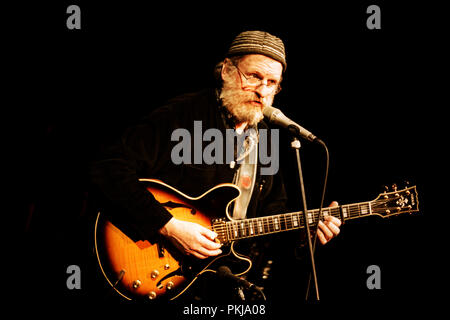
{"points": [[277, 117], [268, 111]]}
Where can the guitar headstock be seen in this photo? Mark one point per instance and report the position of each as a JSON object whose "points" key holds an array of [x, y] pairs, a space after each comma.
{"points": [[396, 202]]}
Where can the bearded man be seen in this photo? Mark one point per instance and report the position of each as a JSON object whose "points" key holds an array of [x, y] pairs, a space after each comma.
{"points": [[250, 76]]}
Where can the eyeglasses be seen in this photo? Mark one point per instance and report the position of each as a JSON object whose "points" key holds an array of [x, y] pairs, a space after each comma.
{"points": [[254, 80]]}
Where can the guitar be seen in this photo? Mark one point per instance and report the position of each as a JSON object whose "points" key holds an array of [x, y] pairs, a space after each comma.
{"points": [[155, 269]]}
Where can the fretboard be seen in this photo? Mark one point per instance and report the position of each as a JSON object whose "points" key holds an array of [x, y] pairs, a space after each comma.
{"points": [[246, 228]]}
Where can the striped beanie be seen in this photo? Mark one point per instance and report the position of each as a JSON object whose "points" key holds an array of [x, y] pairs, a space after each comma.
{"points": [[258, 42]]}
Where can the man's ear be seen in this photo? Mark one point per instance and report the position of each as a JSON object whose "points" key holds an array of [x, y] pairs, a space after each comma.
{"points": [[225, 68]]}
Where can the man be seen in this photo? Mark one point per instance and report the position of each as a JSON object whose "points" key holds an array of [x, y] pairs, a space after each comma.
{"points": [[250, 77]]}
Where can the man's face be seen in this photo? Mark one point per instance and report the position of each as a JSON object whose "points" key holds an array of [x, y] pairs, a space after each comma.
{"points": [[245, 101]]}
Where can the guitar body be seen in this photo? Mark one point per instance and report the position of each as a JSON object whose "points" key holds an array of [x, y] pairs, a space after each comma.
{"points": [[154, 269]]}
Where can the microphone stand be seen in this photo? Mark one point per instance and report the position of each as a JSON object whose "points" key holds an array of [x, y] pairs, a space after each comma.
{"points": [[295, 144]]}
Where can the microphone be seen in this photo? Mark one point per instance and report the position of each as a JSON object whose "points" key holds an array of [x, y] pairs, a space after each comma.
{"points": [[225, 273], [277, 117]]}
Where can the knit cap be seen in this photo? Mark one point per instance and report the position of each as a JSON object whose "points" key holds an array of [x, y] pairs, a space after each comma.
{"points": [[258, 42]]}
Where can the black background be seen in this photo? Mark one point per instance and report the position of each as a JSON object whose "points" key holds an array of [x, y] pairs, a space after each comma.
{"points": [[369, 94]]}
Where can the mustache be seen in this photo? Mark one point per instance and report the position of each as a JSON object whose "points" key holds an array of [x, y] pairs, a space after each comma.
{"points": [[237, 102], [252, 96], [240, 94]]}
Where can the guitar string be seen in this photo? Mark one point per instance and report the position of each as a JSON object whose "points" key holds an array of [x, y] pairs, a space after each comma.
{"points": [[351, 208], [351, 211], [248, 228], [273, 221], [239, 232], [284, 218]]}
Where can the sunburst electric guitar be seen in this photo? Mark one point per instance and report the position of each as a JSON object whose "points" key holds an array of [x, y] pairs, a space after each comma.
{"points": [[154, 269]]}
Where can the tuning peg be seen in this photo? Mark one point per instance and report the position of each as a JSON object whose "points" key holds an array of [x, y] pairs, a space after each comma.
{"points": [[394, 187], [386, 190]]}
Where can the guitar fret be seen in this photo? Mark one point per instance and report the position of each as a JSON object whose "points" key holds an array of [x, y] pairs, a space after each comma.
{"points": [[354, 210], [345, 211], [235, 230], [260, 226], [272, 224], [310, 218], [276, 223], [283, 222], [294, 220], [362, 210], [227, 228], [266, 225], [269, 225], [337, 212], [331, 212], [288, 221], [365, 209]]}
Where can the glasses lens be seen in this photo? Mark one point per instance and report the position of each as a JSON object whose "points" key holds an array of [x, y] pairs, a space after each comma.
{"points": [[256, 82]]}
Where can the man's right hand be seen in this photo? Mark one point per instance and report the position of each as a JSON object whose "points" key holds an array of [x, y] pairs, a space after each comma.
{"points": [[191, 238]]}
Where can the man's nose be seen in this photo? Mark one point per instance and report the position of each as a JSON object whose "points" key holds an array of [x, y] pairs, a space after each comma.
{"points": [[262, 90]]}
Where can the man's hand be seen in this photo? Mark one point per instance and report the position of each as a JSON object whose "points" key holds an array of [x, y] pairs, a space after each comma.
{"points": [[329, 228], [191, 238]]}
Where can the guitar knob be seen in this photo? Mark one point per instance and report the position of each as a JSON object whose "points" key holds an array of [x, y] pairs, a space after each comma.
{"points": [[169, 285], [151, 295], [136, 284], [154, 274]]}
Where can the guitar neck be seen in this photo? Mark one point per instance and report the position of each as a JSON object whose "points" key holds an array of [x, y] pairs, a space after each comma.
{"points": [[247, 228]]}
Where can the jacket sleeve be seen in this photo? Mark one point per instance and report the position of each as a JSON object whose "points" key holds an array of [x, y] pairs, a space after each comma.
{"points": [[139, 153]]}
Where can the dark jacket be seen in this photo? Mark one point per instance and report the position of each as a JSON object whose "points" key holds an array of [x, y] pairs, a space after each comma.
{"points": [[144, 151]]}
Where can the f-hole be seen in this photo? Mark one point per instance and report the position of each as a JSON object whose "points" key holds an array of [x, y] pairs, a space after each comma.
{"points": [[172, 205]]}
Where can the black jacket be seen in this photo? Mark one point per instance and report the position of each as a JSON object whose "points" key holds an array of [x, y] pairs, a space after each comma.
{"points": [[144, 151]]}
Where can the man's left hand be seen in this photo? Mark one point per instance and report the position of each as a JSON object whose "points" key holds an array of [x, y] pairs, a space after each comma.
{"points": [[329, 228]]}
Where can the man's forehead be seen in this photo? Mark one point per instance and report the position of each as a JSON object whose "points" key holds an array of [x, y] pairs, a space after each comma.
{"points": [[262, 64]]}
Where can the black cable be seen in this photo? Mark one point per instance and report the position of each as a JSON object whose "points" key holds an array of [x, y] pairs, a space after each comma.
{"points": [[316, 227]]}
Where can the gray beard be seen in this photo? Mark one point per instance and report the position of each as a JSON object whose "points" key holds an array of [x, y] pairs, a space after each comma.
{"points": [[236, 101]]}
